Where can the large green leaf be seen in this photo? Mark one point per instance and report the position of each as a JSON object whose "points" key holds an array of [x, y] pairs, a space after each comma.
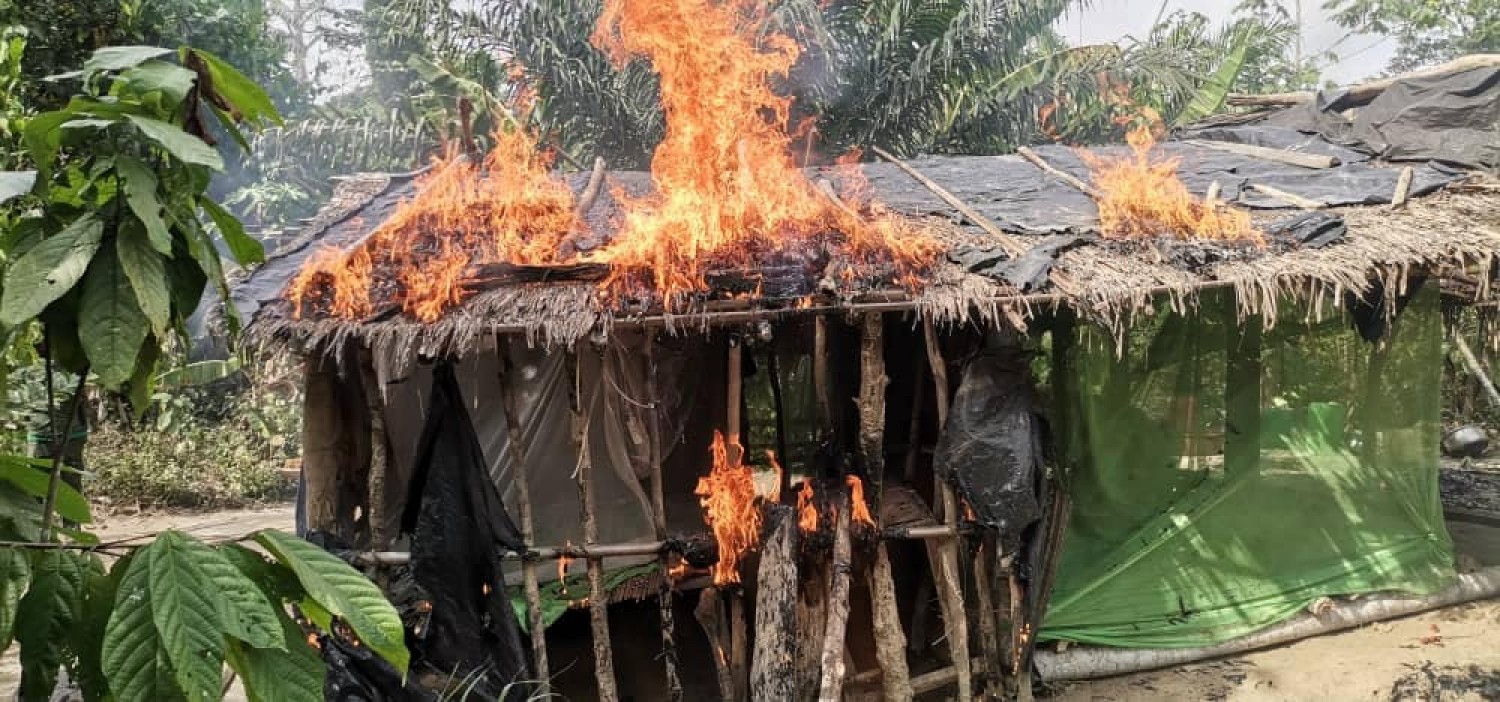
{"points": [[24, 474], [43, 137], [46, 617], [344, 592], [245, 248], [134, 655], [184, 607], [243, 96], [115, 58], [171, 80], [140, 193], [1211, 94], [244, 611], [111, 324], [199, 373], [180, 144], [99, 592], [147, 272], [14, 184], [15, 575], [49, 270]]}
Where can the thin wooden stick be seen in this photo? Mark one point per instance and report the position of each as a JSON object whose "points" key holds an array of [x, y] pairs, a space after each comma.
{"points": [[820, 378], [832, 687], [536, 622], [734, 393], [604, 665], [1288, 157], [1290, 198], [739, 647], [664, 595], [1475, 369], [1064, 176], [955, 619], [1212, 198], [1403, 188], [1005, 241]]}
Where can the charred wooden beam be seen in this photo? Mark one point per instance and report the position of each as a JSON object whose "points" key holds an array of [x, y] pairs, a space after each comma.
{"points": [[382, 517], [710, 615], [488, 276], [832, 685], [773, 669]]}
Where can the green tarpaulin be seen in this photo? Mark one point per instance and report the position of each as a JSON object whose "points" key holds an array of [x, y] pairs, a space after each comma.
{"points": [[1224, 477]]}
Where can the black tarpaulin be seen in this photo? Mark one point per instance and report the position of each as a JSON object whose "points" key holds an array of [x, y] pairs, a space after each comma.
{"points": [[991, 447], [459, 530]]}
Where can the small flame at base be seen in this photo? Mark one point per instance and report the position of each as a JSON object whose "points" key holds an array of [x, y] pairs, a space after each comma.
{"points": [[807, 510], [731, 509], [859, 510]]}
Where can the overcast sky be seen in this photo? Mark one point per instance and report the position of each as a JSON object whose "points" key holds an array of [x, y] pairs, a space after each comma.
{"points": [[1360, 57]]}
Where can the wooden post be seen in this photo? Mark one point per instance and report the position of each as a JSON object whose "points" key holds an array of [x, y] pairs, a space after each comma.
{"points": [[1242, 402], [739, 646], [812, 622], [321, 426], [914, 431], [890, 640], [832, 686], [604, 665], [664, 595], [946, 572], [381, 517], [985, 574], [710, 614], [820, 378], [534, 619], [773, 672]]}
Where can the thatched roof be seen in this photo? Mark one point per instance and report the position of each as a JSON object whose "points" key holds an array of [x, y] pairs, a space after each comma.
{"points": [[1451, 224]]}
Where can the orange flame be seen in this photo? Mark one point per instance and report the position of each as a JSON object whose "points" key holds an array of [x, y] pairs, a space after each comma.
{"points": [[1142, 197], [775, 495], [807, 510], [505, 209], [727, 188], [859, 511], [731, 509], [563, 561]]}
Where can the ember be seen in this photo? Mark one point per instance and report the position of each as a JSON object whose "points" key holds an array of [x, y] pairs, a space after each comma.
{"points": [[728, 193], [859, 510], [1142, 197], [731, 509]]}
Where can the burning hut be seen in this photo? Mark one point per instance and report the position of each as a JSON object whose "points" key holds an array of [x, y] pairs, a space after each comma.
{"points": [[878, 426]]}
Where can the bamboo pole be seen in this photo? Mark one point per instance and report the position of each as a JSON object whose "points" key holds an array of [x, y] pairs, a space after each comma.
{"points": [[1005, 241], [1077, 184], [832, 686], [890, 640], [739, 653], [1264, 153], [664, 595], [1290, 198], [604, 665], [946, 573], [773, 669], [1403, 188], [536, 622]]}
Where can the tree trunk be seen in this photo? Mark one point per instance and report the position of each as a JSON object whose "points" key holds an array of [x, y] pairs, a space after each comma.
{"points": [[773, 670]]}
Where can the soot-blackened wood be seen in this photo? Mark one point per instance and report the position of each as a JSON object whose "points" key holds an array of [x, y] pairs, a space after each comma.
{"points": [[604, 665], [773, 668], [832, 685], [710, 615], [739, 639], [536, 622], [890, 640], [812, 621], [382, 519], [320, 442], [487, 276], [945, 568], [985, 568], [664, 595]]}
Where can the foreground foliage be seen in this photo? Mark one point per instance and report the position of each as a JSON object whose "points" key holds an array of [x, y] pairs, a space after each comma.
{"points": [[110, 240]]}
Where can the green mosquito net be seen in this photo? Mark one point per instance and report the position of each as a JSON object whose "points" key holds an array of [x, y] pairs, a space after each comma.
{"points": [[1225, 476]]}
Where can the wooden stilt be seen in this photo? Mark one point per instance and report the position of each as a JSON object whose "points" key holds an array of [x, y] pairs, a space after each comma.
{"points": [[604, 665], [520, 475], [985, 566], [382, 519], [890, 640], [710, 615], [946, 573], [321, 425], [812, 621], [739, 646], [664, 595], [832, 685], [773, 673], [821, 387]]}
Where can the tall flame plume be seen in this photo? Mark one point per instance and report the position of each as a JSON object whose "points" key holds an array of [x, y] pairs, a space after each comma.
{"points": [[731, 509], [727, 188]]}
